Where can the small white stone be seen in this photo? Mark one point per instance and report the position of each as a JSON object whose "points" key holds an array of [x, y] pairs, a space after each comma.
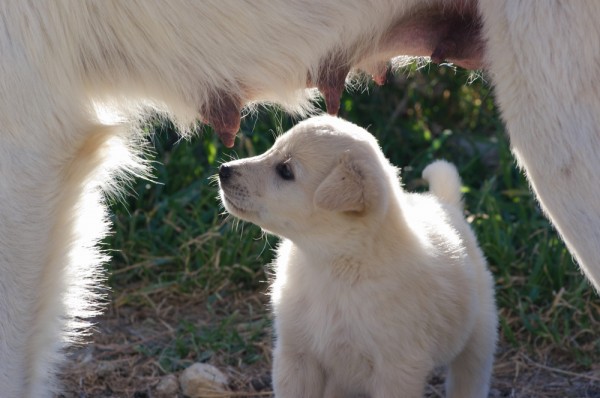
{"points": [[201, 379], [106, 369], [167, 387]]}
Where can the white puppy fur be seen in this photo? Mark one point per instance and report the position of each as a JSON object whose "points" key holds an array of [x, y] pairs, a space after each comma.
{"points": [[374, 286], [65, 64]]}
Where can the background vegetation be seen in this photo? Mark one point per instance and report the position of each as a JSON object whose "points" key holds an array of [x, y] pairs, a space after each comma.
{"points": [[174, 241]]}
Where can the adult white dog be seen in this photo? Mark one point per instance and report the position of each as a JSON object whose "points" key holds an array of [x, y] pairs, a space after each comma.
{"points": [[63, 62]]}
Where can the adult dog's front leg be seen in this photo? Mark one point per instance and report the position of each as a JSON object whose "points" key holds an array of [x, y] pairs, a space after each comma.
{"points": [[544, 62], [37, 238], [51, 219], [25, 230]]}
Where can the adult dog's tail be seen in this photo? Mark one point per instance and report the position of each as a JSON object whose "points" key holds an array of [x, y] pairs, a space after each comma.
{"points": [[444, 182]]}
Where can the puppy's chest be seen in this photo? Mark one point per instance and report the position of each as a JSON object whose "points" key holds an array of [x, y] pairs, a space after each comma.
{"points": [[325, 307]]}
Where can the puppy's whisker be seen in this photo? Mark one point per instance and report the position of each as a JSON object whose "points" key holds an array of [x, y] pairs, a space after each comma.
{"points": [[261, 236], [274, 134], [235, 224], [222, 161], [266, 243], [213, 180], [265, 236]]}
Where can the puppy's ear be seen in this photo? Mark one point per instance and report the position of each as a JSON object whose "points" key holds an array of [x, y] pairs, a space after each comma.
{"points": [[344, 188]]}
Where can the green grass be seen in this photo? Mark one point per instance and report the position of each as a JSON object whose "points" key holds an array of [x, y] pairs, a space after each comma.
{"points": [[172, 234]]}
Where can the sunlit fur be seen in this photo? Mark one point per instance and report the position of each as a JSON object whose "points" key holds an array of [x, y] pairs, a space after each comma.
{"points": [[77, 76], [374, 286]]}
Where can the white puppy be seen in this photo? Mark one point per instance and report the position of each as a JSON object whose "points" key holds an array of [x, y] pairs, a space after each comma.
{"points": [[374, 286]]}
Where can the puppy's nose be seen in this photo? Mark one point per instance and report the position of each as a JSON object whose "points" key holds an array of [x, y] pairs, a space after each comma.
{"points": [[224, 172]]}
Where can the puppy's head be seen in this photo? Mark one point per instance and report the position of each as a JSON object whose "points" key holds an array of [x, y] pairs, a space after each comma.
{"points": [[323, 173]]}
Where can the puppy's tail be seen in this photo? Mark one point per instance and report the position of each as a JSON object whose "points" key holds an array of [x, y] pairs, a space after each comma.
{"points": [[444, 182]]}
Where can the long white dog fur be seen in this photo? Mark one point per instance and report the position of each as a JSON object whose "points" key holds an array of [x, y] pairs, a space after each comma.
{"points": [[374, 286], [66, 65]]}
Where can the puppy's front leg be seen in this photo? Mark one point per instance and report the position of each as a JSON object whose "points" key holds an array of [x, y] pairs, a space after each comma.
{"points": [[406, 380], [296, 375]]}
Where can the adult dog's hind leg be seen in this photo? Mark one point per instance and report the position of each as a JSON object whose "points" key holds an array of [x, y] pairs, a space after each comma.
{"points": [[543, 58]]}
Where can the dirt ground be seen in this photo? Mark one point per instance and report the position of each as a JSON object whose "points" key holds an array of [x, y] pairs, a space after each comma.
{"points": [[112, 364]]}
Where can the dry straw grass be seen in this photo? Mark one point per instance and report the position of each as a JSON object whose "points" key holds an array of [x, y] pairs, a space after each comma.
{"points": [[114, 366]]}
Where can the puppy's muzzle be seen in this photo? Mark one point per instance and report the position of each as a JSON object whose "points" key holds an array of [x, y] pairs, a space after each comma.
{"points": [[225, 173]]}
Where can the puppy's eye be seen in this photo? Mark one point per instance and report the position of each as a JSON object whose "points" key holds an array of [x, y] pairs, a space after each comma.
{"points": [[285, 171]]}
